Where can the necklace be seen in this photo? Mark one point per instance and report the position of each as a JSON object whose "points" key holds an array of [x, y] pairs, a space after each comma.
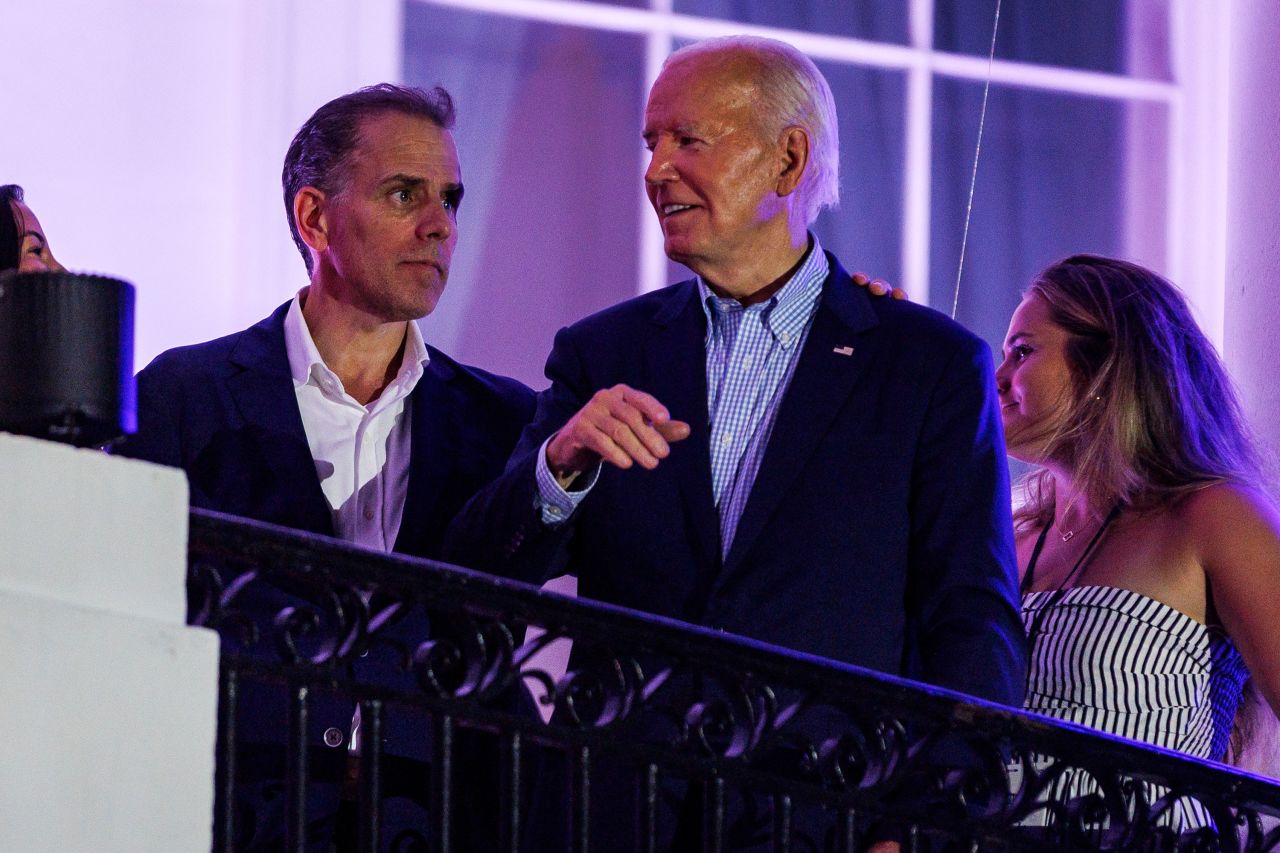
{"points": [[1037, 624], [1081, 561], [1066, 535]]}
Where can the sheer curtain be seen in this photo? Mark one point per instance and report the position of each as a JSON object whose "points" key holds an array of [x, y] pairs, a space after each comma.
{"points": [[548, 134], [1058, 173]]}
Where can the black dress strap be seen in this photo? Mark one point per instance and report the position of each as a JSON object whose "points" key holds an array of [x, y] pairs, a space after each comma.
{"points": [[1029, 577], [1083, 560]]}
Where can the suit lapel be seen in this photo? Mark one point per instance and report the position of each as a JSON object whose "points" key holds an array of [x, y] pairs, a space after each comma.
{"points": [[433, 446], [263, 393], [675, 373], [824, 377]]}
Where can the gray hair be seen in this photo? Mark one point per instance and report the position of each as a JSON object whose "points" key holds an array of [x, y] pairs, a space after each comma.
{"points": [[793, 93]]}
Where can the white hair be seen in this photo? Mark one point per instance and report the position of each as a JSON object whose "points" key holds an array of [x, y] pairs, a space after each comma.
{"points": [[793, 93]]}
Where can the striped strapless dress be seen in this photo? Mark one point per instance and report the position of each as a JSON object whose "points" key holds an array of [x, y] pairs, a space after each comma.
{"points": [[1128, 665]]}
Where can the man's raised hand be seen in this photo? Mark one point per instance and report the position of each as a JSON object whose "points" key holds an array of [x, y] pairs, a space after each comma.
{"points": [[619, 425]]}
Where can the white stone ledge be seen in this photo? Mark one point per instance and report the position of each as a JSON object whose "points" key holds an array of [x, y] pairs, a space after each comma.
{"points": [[94, 530], [108, 727]]}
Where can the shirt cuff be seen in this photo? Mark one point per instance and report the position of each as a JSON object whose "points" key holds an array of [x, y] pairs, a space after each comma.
{"points": [[553, 502]]}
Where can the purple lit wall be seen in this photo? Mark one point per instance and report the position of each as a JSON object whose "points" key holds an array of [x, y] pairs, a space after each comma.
{"points": [[1253, 236], [149, 136]]}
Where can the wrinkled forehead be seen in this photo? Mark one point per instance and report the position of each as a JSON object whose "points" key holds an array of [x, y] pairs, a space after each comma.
{"points": [[728, 77]]}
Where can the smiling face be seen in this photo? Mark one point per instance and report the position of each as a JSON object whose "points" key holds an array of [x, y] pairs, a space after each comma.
{"points": [[34, 254], [387, 236], [713, 177], [1034, 380]]}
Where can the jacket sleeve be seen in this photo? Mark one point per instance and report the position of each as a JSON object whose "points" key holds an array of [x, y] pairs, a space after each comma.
{"points": [[500, 530], [962, 594], [158, 438]]}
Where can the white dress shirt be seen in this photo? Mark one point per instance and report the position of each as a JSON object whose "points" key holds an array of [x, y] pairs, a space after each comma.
{"points": [[361, 453]]}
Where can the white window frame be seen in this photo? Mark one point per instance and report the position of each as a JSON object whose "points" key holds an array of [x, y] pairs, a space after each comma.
{"points": [[1196, 100]]}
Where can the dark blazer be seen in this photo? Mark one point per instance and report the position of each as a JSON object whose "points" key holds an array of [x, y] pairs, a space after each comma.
{"points": [[877, 531], [226, 413]]}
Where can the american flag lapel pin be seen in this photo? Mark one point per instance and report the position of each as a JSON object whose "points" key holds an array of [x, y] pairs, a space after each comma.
{"points": [[843, 350]]}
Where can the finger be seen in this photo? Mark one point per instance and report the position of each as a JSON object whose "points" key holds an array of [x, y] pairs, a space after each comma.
{"points": [[601, 443], [673, 430], [648, 405], [878, 288], [628, 416], [626, 440], [899, 293], [861, 279], [579, 445]]}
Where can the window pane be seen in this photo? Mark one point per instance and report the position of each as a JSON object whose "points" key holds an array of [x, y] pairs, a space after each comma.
{"points": [[549, 137], [1117, 36], [865, 231], [1059, 174], [880, 20]]}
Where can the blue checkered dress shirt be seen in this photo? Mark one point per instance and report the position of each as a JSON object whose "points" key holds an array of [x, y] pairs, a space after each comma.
{"points": [[751, 355]]}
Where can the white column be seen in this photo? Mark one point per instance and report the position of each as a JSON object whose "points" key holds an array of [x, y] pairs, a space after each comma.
{"points": [[1252, 321], [109, 711]]}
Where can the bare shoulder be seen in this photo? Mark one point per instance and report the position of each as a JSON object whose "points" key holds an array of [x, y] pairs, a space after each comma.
{"points": [[1235, 530], [1228, 518], [1221, 506]]}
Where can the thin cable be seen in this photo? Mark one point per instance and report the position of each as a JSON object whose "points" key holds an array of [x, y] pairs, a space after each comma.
{"points": [[977, 152]]}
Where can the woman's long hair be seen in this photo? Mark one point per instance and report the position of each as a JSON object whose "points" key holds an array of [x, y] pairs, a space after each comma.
{"points": [[1152, 414]]}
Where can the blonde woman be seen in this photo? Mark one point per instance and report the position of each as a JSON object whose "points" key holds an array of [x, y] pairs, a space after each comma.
{"points": [[1149, 553]]}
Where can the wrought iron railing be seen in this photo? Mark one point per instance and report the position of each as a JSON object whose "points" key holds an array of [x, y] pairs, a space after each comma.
{"points": [[719, 743]]}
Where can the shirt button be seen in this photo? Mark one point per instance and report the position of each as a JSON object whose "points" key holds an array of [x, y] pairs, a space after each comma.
{"points": [[726, 440], [333, 737], [785, 338], [368, 514], [554, 511]]}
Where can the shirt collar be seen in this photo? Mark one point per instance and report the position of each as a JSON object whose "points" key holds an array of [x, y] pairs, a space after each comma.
{"points": [[787, 312], [306, 365]]}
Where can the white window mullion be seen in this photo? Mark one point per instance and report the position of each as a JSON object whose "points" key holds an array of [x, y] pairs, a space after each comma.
{"points": [[653, 259], [918, 166], [1195, 255], [1197, 193]]}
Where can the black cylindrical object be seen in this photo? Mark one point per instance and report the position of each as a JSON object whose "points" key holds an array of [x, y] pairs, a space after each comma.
{"points": [[66, 357]]}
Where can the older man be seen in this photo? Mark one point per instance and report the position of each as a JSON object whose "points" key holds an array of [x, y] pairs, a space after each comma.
{"points": [[333, 416], [765, 449]]}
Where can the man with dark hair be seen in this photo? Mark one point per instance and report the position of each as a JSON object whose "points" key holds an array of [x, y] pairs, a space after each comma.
{"points": [[764, 449], [332, 415]]}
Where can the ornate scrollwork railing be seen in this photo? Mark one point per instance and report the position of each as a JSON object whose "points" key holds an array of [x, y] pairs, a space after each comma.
{"points": [[728, 742]]}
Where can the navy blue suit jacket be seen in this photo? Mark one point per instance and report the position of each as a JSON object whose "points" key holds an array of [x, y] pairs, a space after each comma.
{"points": [[878, 529], [226, 413]]}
